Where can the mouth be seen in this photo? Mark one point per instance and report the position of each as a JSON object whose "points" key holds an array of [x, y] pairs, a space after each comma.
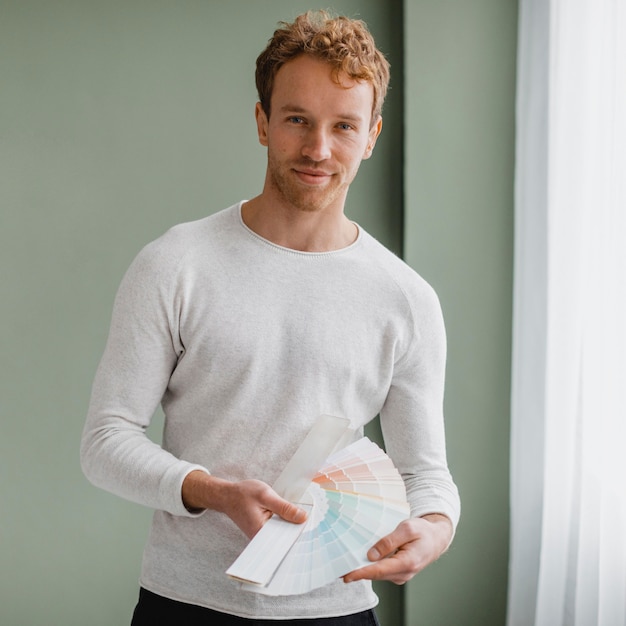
{"points": [[312, 176]]}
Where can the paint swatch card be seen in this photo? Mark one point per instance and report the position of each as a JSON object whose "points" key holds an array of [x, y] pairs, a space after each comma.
{"points": [[354, 499]]}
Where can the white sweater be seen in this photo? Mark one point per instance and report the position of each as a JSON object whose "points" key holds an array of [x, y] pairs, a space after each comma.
{"points": [[245, 344]]}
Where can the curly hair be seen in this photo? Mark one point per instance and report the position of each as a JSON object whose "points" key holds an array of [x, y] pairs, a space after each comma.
{"points": [[346, 44]]}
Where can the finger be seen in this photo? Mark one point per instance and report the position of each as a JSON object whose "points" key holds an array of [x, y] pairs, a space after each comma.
{"points": [[292, 513], [389, 569], [368, 572], [390, 543], [285, 509]]}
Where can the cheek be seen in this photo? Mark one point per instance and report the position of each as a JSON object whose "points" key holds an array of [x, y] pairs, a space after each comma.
{"points": [[353, 157], [284, 144], [277, 147]]}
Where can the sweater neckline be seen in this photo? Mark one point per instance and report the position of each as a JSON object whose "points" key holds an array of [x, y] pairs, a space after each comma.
{"points": [[291, 251]]}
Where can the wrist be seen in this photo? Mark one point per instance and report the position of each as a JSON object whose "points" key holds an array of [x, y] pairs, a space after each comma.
{"points": [[443, 530], [201, 490]]}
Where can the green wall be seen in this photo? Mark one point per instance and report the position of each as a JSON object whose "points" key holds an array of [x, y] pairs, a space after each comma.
{"points": [[121, 118], [460, 86], [118, 120]]}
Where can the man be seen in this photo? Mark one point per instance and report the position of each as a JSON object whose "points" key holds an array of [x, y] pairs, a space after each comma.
{"points": [[251, 323]]}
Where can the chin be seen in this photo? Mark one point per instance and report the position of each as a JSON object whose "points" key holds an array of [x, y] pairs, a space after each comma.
{"points": [[304, 198], [312, 201]]}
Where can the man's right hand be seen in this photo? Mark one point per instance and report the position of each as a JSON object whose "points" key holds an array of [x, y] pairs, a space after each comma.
{"points": [[249, 503]]}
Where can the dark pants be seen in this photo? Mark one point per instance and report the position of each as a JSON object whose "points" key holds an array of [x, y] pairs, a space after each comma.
{"points": [[154, 610]]}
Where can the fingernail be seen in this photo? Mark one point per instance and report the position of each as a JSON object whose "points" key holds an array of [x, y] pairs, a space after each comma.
{"points": [[373, 554]]}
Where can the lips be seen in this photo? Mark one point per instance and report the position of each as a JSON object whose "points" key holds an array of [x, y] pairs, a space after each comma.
{"points": [[312, 176]]}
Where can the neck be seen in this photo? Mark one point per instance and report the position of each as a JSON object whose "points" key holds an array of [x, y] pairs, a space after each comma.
{"points": [[305, 231]]}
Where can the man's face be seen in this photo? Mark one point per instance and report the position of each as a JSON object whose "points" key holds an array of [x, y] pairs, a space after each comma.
{"points": [[318, 133]]}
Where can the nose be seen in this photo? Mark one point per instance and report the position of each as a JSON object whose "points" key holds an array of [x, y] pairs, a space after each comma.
{"points": [[316, 145]]}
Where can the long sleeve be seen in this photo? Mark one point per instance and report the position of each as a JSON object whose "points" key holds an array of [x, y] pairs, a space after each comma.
{"points": [[141, 352], [412, 417]]}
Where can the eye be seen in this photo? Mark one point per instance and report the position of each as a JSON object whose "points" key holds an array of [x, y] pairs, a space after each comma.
{"points": [[344, 126], [294, 119]]}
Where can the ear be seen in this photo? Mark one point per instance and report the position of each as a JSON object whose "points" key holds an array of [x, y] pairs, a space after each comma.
{"points": [[377, 126], [261, 123]]}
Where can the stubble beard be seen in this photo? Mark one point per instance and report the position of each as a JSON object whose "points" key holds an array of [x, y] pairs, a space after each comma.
{"points": [[306, 199]]}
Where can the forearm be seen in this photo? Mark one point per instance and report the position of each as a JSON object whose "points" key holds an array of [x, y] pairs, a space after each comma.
{"points": [[117, 456]]}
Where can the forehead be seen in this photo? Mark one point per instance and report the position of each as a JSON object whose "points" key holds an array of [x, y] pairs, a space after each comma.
{"points": [[308, 82]]}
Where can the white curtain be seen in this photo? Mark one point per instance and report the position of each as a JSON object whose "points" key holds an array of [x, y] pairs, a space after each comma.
{"points": [[568, 436]]}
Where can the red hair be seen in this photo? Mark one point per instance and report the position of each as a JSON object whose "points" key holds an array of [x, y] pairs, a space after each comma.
{"points": [[344, 43]]}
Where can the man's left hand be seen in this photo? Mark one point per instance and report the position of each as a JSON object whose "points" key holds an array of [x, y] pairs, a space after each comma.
{"points": [[413, 545]]}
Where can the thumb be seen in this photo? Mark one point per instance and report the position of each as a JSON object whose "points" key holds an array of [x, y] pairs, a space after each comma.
{"points": [[289, 511]]}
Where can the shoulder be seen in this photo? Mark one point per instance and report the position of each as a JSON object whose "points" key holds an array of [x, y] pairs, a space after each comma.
{"points": [[164, 262], [183, 240], [184, 237], [414, 288], [417, 301]]}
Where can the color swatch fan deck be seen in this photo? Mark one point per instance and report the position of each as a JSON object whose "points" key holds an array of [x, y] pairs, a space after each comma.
{"points": [[355, 499]]}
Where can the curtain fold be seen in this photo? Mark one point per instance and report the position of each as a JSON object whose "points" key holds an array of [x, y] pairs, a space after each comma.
{"points": [[568, 441]]}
